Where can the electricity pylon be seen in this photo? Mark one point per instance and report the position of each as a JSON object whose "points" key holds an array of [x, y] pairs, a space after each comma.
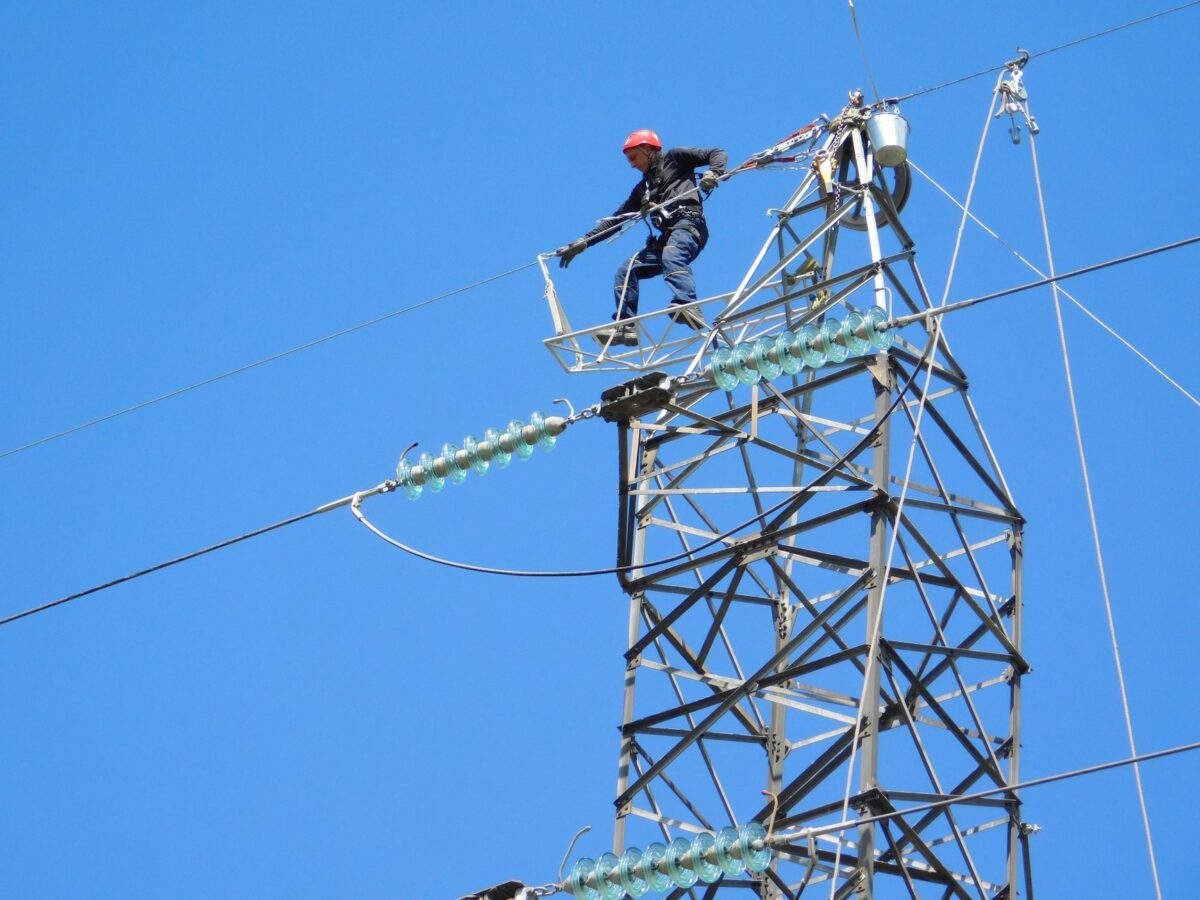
{"points": [[840, 638]]}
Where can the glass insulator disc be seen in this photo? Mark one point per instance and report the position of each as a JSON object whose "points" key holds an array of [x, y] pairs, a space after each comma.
{"points": [[878, 334], [454, 472], [704, 858], [753, 844], [854, 334], [790, 359], [728, 850], [577, 879], [545, 438], [764, 350], [679, 863], [500, 456], [434, 481], [654, 868], [808, 340], [831, 332], [478, 463], [720, 369], [743, 364], [632, 879], [520, 448]]}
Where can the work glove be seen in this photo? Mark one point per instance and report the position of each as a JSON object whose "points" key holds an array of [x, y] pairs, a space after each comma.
{"points": [[569, 252], [709, 180]]}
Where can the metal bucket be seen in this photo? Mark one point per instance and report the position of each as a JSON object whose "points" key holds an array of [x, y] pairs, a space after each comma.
{"points": [[888, 132]]}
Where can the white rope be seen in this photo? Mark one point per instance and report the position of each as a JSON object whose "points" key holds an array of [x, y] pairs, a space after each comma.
{"points": [[1015, 252], [876, 624], [1087, 486]]}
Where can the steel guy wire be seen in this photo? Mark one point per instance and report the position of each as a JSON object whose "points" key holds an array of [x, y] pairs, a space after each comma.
{"points": [[862, 50], [1087, 485], [1015, 252], [875, 626]]}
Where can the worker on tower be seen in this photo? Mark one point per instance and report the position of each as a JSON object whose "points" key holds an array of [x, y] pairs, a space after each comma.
{"points": [[668, 194]]}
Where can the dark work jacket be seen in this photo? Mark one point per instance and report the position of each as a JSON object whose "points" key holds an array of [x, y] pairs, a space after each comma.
{"points": [[670, 179]]}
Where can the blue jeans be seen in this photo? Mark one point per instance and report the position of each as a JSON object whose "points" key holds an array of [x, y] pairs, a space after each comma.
{"points": [[672, 259]]}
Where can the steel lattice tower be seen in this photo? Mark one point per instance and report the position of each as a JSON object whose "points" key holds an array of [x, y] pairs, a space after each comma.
{"points": [[833, 627]]}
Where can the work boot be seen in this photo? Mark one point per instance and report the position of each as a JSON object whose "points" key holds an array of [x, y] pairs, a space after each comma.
{"points": [[689, 316], [618, 334]]}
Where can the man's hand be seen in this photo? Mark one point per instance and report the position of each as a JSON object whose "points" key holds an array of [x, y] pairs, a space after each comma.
{"points": [[569, 252], [709, 180]]}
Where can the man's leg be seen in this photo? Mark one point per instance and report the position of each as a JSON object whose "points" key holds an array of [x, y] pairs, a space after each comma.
{"points": [[682, 247], [646, 263]]}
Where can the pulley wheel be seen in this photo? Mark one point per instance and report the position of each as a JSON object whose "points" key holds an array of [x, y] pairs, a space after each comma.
{"points": [[896, 181]]}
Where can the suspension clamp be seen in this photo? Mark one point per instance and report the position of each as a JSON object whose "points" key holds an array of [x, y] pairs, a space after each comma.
{"points": [[644, 394], [1015, 98]]}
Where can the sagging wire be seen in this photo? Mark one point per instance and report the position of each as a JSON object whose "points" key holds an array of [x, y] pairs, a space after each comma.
{"points": [[354, 501], [826, 474], [1015, 252]]}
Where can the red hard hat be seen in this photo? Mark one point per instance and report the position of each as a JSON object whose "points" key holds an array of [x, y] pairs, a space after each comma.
{"points": [[643, 137]]}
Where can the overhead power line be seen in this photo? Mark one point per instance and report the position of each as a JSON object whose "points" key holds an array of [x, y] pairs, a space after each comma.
{"points": [[981, 795], [267, 359], [388, 486], [1041, 282], [1080, 40], [371, 322], [336, 504]]}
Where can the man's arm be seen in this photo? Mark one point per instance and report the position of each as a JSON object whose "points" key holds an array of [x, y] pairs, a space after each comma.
{"points": [[603, 229], [633, 203], [714, 157]]}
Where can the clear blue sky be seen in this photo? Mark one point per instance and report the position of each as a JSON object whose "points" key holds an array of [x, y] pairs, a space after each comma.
{"points": [[188, 188]]}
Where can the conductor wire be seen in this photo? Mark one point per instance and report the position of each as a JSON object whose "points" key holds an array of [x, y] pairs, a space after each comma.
{"points": [[824, 476], [1080, 40], [264, 361], [1033, 268]]}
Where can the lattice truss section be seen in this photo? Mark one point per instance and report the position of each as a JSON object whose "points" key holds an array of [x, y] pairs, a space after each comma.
{"points": [[750, 664]]}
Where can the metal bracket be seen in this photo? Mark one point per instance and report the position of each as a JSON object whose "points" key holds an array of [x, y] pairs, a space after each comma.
{"points": [[644, 394], [777, 748], [785, 615]]}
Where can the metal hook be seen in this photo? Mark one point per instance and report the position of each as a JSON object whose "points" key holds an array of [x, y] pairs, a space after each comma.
{"points": [[567, 403], [774, 809], [1021, 61], [409, 449], [571, 846]]}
